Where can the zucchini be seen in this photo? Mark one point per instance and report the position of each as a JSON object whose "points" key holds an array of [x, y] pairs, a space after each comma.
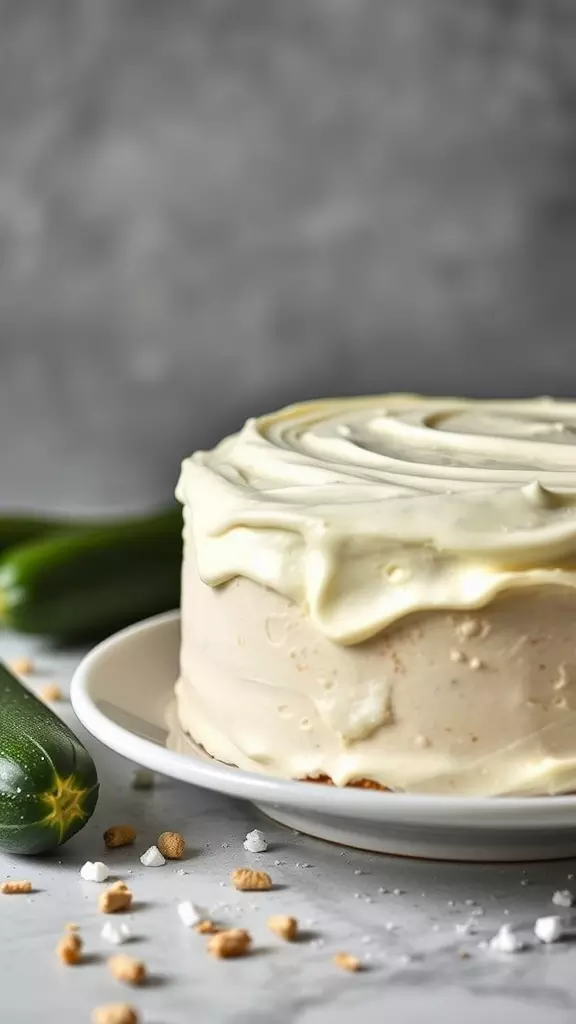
{"points": [[16, 529], [48, 781], [89, 582]]}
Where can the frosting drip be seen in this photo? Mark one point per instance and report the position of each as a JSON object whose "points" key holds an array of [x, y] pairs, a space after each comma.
{"points": [[364, 510]]}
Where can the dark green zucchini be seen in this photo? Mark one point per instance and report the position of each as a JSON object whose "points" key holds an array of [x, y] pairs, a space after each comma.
{"points": [[48, 781], [16, 529], [89, 582]]}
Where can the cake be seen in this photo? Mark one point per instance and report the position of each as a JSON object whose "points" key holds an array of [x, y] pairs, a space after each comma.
{"points": [[382, 592]]}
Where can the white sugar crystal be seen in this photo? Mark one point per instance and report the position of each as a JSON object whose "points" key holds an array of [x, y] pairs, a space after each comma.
{"points": [[255, 842], [548, 929], [116, 934], [467, 927], [563, 898], [505, 941], [94, 871], [152, 858], [189, 913]]}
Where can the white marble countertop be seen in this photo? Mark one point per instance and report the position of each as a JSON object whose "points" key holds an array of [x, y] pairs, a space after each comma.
{"points": [[398, 916]]}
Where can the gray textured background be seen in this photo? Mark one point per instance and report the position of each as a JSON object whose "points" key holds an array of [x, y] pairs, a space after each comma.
{"points": [[211, 207]]}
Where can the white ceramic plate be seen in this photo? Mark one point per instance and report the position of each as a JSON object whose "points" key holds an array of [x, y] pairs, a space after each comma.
{"points": [[122, 693]]}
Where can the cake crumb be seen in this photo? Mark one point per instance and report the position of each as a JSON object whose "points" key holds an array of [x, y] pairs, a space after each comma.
{"points": [[115, 1013], [16, 888], [50, 692], [346, 962], [207, 927], [119, 835], [232, 943], [21, 666], [247, 880], [285, 927], [69, 948], [171, 845], [127, 968], [116, 899]]}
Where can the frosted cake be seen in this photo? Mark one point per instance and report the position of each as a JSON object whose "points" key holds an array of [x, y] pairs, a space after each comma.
{"points": [[382, 592]]}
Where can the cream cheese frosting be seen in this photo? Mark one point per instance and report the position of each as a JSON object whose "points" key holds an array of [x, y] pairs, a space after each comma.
{"points": [[385, 588], [365, 510]]}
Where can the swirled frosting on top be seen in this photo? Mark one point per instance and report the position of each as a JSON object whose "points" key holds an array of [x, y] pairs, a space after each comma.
{"points": [[363, 510]]}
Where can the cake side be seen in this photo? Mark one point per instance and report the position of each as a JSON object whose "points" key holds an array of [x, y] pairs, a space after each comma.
{"points": [[441, 702]]}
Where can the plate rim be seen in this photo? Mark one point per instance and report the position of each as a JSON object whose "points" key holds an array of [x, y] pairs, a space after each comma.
{"points": [[405, 808]]}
